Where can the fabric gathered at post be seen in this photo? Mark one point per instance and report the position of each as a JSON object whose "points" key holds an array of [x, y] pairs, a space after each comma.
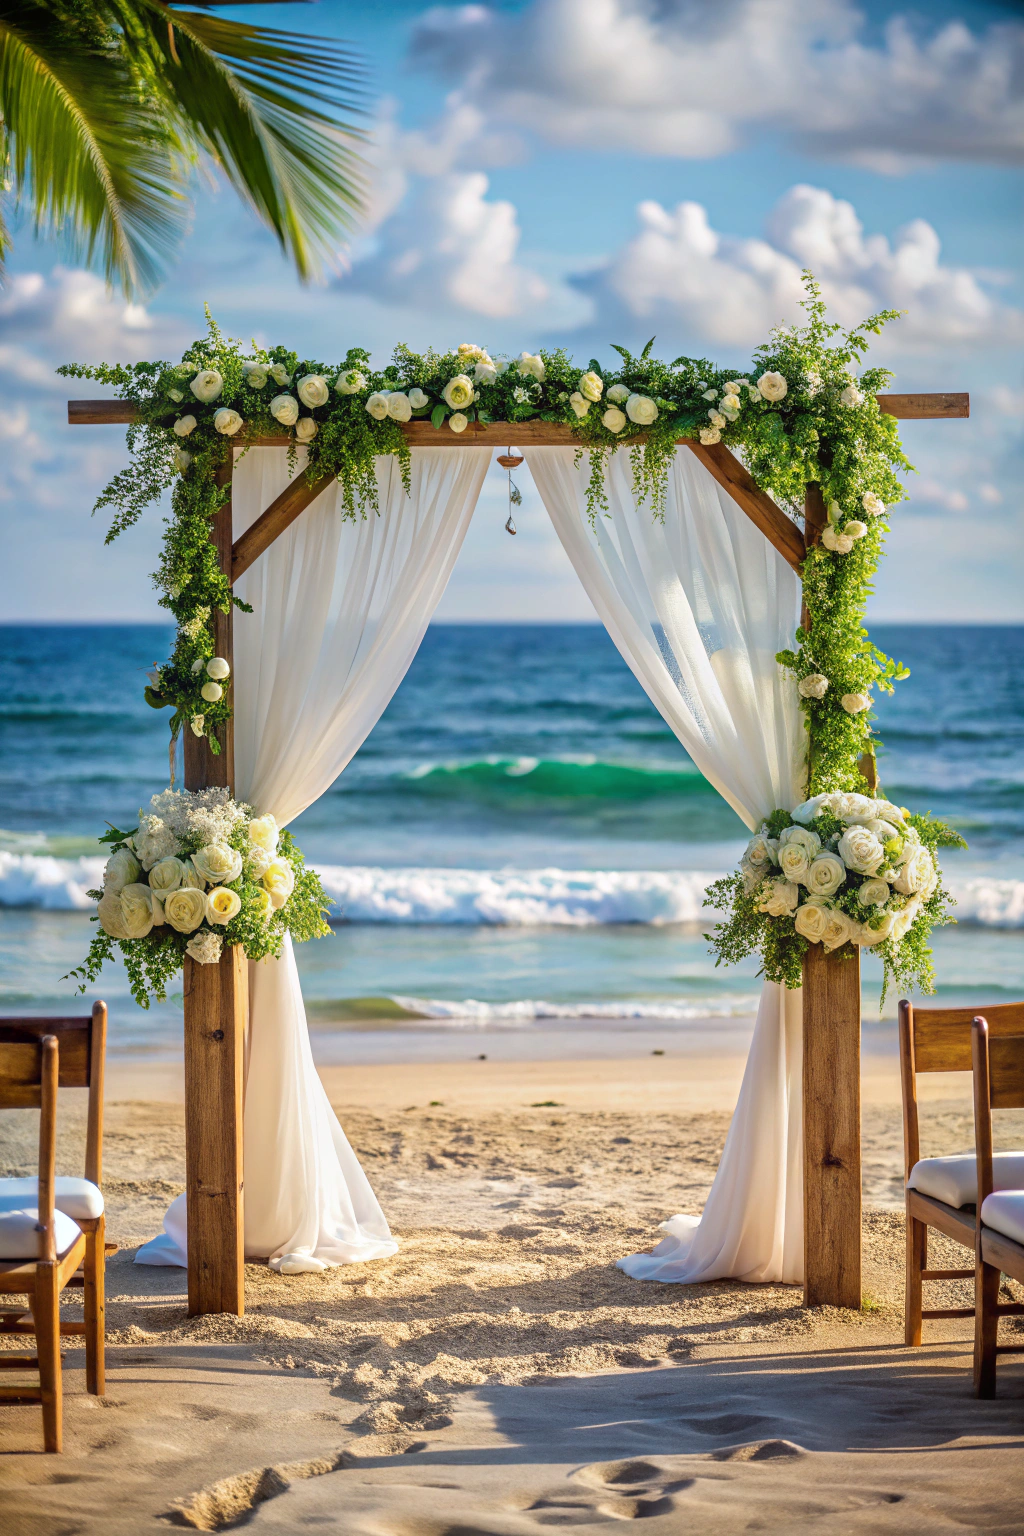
{"points": [[698, 606], [340, 608]]}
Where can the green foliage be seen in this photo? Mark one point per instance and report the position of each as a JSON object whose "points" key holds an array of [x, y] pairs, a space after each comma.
{"points": [[107, 107]]}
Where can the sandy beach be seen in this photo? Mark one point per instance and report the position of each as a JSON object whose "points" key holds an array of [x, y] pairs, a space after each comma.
{"points": [[499, 1375]]}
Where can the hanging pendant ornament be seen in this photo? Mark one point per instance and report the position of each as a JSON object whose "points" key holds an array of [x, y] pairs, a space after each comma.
{"points": [[511, 461]]}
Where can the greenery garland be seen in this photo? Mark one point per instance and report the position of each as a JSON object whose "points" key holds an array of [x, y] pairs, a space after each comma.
{"points": [[804, 414]]}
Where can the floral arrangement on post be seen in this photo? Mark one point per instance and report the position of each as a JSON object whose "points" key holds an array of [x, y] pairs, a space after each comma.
{"points": [[199, 872], [842, 868], [801, 413]]}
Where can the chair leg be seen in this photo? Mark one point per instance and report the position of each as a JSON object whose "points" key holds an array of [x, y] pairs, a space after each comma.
{"points": [[95, 1304], [46, 1316], [917, 1259], [986, 1328]]}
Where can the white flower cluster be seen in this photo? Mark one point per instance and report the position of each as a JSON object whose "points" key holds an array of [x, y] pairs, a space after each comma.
{"points": [[878, 857], [182, 869], [725, 407]]}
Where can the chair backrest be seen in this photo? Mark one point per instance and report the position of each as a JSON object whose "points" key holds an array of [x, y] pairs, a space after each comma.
{"points": [[939, 1040], [81, 1054], [29, 1071], [998, 1084]]}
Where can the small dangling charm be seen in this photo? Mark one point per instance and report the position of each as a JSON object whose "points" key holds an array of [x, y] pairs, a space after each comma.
{"points": [[511, 461]]}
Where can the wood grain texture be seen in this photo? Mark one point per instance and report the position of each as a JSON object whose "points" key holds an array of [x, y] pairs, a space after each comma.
{"points": [[932, 407], [271, 523], [831, 1096], [216, 1003], [942, 1036]]}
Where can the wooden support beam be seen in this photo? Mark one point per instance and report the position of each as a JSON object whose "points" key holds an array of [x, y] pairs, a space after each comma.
{"points": [[270, 524], [831, 1098], [216, 1009], [925, 407]]}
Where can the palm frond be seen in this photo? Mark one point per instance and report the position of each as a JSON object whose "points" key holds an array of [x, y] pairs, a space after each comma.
{"points": [[85, 150]]}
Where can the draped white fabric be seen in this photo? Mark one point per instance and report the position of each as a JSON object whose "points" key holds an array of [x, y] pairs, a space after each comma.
{"points": [[340, 608], [699, 605]]}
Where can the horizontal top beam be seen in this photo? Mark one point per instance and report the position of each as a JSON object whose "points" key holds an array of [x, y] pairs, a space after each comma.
{"points": [[529, 434]]}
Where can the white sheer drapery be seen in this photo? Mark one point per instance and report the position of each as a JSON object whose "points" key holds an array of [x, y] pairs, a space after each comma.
{"points": [[340, 608], [698, 606]]}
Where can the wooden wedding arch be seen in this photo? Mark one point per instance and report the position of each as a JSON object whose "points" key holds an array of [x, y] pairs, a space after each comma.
{"points": [[216, 996]]}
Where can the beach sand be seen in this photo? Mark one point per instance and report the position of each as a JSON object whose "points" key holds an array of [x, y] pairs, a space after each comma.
{"points": [[499, 1375]]}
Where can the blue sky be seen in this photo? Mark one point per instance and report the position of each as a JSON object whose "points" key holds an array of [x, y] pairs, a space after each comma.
{"points": [[580, 172]]}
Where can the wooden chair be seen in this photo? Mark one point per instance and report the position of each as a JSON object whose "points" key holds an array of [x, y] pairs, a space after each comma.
{"points": [[65, 1243], [942, 1192], [998, 1084]]}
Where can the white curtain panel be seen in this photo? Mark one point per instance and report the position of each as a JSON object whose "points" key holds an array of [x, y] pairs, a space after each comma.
{"points": [[339, 610], [698, 605]]}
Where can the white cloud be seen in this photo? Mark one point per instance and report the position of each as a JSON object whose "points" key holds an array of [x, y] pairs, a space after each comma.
{"points": [[680, 273], [682, 77]]}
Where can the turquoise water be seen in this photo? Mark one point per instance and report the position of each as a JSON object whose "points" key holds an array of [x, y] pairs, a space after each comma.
{"points": [[521, 845]]}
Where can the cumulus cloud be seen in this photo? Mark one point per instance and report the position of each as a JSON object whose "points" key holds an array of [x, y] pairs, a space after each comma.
{"points": [[678, 272], [684, 78]]}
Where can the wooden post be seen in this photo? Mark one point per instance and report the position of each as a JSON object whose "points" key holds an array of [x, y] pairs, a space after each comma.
{"points": [[216, 1008], [831, 1090]]}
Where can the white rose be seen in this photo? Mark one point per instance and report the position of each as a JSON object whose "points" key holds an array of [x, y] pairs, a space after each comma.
{"points": [[182, 460], [851, 396], [839, 543], [729, 406], [458, 422], [306, 429], [772, 386], [458, 392], [835, 511], [255, 375], [861, 851], [876, 930], [285, 409], [470, 349], [312, 390], [218, 863], [485, 373], [377, 405], [263, 832], [222, 905], [811, 920], [795, 861], [809, 810], [184, 425], [761, 850], [185, 908], [855, 703], [855, 529], [399, 406], [198, 724], [218, 669], [803, 836], [839, 929], [873, 893], [855, 807], [176, 395], [579, 405], [717, 419], [191, 879], [257, 862], [884, 831], [349, 382], [280, 375], [711, 394], [591, 385], [121, 869], [141, 910], [709, 436], [891, 813], [617, 394], [903, 920], [227, 421], [613, 419], [166, 875], [211, 692], [873, 505], [781, 899], [916, 872], [733, 388], [279, 881], [205, 948], [813, 686], [206, 386], [417, 399], [825, 874], [531, 366], [110, 915], [642, 410]]}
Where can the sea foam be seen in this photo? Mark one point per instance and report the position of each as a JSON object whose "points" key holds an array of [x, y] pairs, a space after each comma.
{"points": [[512, 898]]}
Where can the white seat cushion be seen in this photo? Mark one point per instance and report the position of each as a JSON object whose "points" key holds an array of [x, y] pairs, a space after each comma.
{"points": [[19, 1235], [77, 1198], [1004, 1212], [954, 1180]]}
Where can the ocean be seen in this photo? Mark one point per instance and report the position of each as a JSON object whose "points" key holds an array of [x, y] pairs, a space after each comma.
{"points": [[519, 849]]}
